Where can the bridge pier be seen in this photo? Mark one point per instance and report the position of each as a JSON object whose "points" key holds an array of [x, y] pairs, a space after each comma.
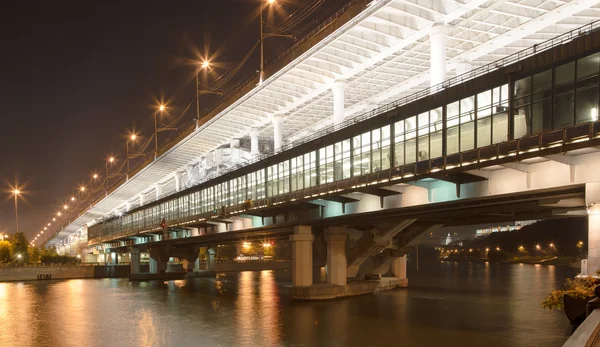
{"points": [[399, 270], [302, 256], [210, 259], [337, 265], [135, 260]]}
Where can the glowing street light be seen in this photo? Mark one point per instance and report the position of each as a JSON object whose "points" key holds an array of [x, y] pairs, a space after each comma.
{"points": [[65, 207], [498, 249], [72, 198], [161, 109], [132, 137], [110, 160], [16, 192], [95, 176], [82, 188], [538, 247]]}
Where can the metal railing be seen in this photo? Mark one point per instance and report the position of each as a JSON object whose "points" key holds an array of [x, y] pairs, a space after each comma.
{"points": [[478, 72]]}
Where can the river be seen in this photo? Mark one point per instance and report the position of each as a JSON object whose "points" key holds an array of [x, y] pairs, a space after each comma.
{"points": [[447, 304]]}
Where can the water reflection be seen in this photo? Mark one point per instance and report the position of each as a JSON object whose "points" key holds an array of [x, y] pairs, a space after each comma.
{"points": [[451, 304]]}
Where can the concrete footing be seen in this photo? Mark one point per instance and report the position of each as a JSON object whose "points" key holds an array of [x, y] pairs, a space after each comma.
{"points": [[352, 288], [171, 275]]}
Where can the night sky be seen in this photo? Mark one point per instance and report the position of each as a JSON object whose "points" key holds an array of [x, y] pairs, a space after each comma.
{"points": [[77, 75]]}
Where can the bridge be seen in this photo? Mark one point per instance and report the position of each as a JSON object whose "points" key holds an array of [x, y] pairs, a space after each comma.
{"points": [[297, 157]]}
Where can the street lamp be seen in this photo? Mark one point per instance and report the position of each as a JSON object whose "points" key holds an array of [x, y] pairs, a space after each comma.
{"points": [[110, 160], [131, 138], [16, 192], [161, 108], [263, 36], [3, 236]]}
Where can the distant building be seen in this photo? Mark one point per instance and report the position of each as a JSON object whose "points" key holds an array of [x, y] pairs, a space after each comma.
{"points": [[503, 228]]}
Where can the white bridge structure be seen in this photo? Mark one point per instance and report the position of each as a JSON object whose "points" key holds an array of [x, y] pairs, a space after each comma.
{"points": [[370, 55]]}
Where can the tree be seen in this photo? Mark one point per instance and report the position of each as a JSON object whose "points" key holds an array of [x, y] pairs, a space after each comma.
{"points": [[34, 254], [18, 246], [5, 252]]}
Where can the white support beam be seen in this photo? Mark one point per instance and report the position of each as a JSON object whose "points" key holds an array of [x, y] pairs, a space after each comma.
{"points": [[566, 160], [524, 168]]}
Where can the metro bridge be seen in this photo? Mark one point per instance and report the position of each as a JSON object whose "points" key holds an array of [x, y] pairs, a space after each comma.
{"points": [[521, 128]]}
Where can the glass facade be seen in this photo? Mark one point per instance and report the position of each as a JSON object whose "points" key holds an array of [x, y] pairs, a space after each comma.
{"points": [[552, 99], [557, 98]]}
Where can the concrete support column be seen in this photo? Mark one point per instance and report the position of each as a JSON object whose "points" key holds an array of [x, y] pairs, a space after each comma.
{"points": [[277, 137], [234, 146], [135, 260], [194, 232], [218, 156], [153, 266], [302, 256], [337, 265], [177, 175], [338, 101], [210, 259], [209, 159], [114, 258], [158, 190], [437, 67], [592, 200], [254, 141], [399, 267]]}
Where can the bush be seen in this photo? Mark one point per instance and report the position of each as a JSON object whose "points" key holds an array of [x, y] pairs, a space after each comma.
{"points": [[579, 288]]}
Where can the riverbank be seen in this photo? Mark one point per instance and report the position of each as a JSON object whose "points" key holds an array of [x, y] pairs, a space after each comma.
{"points": [[555, 261], [37, 273]]}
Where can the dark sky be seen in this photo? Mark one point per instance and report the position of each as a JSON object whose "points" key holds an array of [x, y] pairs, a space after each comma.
{"points": [[76, 75]]}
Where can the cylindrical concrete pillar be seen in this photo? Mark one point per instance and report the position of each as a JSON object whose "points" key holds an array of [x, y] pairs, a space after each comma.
{"points": [[277, 136], [337, 89], [337, 265], [158, 190], [153, 266], [177, 175], [210, 259], [302, 256], [399, 267], [254, 141], [218, 156], [134, 256], [437, 60]]}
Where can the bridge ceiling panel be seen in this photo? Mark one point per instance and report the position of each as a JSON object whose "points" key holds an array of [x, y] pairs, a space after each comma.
{"points": [[382, 54]]}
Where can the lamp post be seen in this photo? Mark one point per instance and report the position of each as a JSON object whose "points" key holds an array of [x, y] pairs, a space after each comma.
{"points": [[109, 160], [263, 36], [204, 65], [131, 138], [16, 193], [161, 108]]}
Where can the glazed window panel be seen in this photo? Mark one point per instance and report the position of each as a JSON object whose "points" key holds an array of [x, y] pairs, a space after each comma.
{"points": [[385, 147], [588, 66], [564, 74], [586, 109], [399, 143]]}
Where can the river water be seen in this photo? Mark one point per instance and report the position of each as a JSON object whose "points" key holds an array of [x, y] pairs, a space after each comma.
{"points": [[447, 304]]}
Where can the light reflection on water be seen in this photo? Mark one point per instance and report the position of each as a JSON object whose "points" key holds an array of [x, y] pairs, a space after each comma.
{"points": [[451, 304]]}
